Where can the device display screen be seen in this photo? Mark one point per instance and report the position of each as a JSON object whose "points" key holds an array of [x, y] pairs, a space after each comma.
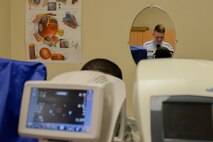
{"points": [[60, 109], [189, 121]]}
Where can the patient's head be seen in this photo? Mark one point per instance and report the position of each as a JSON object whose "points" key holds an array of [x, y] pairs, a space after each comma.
{"points": [[103, 65], [163, 52], [108, 67]]}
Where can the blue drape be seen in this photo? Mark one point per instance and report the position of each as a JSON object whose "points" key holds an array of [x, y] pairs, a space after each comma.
{"points": [[138, 53], [13, 75]]}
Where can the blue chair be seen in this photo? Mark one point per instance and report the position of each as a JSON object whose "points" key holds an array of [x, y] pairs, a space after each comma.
{"points": [[138, 53], [13, 75]]}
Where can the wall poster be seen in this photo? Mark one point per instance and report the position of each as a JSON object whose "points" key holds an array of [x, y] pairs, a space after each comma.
{"points": [[53, 31]]}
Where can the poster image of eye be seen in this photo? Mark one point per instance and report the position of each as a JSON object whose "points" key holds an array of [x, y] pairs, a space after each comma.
{"points": [[53, 31]]}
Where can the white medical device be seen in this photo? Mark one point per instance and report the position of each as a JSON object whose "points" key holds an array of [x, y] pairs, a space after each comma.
{"points": [[78, 106], [173, 100]]}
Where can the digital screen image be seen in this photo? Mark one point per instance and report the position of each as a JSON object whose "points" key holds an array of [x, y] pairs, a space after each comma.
{"points": [[60, 109], [188, 121]]}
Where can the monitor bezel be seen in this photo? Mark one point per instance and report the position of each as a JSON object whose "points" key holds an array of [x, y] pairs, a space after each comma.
{"points": [[98, 97], [157, 129]]}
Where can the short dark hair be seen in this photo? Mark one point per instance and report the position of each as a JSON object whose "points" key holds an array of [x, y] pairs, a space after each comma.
{"points": [[103, 65], [160, 28]]}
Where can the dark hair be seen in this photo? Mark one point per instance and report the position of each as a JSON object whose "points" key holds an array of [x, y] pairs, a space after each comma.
{"points": [[160, 28], [103, 65], [163, 52]]}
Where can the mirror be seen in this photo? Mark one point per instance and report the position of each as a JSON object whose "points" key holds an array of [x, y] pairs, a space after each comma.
{"points": [[152, 35]]}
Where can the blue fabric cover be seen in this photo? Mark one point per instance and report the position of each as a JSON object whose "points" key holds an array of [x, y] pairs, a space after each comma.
{"points": [[13, 75], [138, 53]]}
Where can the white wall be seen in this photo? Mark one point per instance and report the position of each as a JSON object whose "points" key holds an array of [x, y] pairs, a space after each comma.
{"points": [[5, 29]]}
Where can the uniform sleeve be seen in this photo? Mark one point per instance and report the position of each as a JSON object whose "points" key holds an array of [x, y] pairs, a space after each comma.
{"points": [[169, 46], [145, 45]]}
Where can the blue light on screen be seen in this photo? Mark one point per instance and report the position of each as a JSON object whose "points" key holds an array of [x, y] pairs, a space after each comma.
{"points": [[60, 109]]}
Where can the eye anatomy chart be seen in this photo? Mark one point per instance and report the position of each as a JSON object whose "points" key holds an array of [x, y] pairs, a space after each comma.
{"points": [[53, 31]]}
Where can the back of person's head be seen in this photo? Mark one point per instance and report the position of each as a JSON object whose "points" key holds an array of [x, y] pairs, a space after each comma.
{"points": [[160, 28], [103, 65], [163, 52]]}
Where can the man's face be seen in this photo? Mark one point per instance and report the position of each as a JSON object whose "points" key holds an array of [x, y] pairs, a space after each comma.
{"points": [[158, 37]]}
